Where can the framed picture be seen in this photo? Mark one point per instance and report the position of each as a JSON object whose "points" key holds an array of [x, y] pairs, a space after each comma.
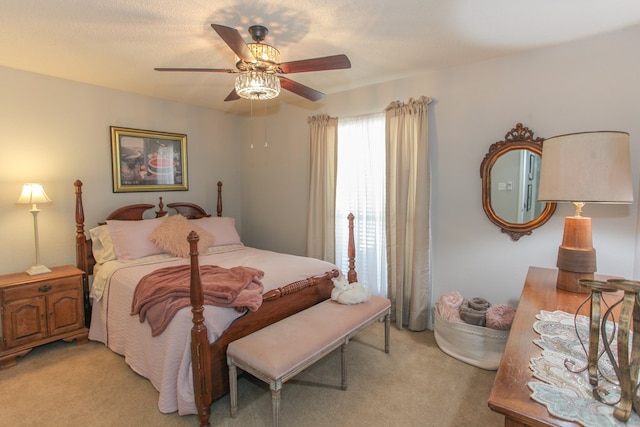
{"points": [[145, 160]]}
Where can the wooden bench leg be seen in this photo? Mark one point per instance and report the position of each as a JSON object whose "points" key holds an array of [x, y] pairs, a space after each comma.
{"points": [[233, 388], [387, 325], [343, 351], [276, 387]]}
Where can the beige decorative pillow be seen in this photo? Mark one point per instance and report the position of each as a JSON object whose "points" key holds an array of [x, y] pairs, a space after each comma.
{"points": [[171, 236]]}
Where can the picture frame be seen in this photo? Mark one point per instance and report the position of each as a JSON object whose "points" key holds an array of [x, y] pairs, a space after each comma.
{"points": [[146, 160]]}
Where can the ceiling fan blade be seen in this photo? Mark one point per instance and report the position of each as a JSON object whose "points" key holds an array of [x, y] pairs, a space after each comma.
{"points": [[207, 70], [335, 62], [300, 89], [233, 95], [232, 37]]}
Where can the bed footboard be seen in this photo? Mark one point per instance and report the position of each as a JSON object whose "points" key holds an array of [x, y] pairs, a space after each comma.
{"points": [[209, 360], [295, 287]]}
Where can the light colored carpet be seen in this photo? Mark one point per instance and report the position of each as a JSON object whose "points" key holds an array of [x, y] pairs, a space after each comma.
{"points": [[61, 384]]}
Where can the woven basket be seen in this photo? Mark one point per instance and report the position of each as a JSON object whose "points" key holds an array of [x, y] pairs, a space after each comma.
{"points": [[475, 345]]}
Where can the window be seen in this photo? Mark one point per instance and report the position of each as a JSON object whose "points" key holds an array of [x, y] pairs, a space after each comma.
{"points": [[360, 190]]}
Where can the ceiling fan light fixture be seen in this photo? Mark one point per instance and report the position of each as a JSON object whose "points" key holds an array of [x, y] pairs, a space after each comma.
{"points": [[258, 67], [258, 85], [264, 52]]}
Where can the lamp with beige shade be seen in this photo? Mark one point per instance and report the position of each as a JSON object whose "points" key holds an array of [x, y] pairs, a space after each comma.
{"points": [[588, 167]]}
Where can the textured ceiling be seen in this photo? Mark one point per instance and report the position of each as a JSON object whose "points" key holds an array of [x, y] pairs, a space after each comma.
{"points": [[117, 44]]}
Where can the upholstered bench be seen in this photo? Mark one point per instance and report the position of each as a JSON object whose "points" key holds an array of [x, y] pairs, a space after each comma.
{"points": [[277, 353]]}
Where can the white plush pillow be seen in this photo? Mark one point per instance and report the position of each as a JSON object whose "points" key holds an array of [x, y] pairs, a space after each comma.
{"points": [[171, 236], [132, 239], [102, 245], [223, 229]]}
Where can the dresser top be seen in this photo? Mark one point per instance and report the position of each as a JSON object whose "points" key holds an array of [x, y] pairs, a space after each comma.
{"points": [[510, 394]]}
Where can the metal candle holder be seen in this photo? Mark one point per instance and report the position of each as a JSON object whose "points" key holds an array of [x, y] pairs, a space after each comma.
{"points": [[626, 363]]}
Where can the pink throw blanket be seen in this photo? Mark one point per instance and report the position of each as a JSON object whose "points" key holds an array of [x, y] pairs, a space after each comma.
{"points": [[160, 294]]}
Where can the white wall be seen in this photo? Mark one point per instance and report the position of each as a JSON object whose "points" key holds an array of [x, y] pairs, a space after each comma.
{"points": [[588, 85], [55, 131]]}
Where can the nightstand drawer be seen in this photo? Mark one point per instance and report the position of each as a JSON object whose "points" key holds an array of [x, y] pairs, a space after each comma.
{"points": [[43, 288]]}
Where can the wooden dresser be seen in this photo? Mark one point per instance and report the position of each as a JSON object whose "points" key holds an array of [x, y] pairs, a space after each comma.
{"points": [[35, 310], [510, 394]]}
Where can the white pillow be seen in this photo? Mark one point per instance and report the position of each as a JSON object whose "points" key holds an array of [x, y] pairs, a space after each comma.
{"points": [[102, 245], [223, 229], [132, 239]]}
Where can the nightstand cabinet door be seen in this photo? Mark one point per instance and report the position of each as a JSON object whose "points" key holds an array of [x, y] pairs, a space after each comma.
{"points": [[24, 321], [65, 311]]}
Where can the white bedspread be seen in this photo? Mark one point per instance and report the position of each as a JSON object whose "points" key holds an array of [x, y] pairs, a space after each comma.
{"points": [[166, 359]]}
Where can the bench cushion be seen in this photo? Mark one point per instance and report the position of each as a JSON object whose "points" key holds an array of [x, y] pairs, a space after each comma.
{"points": [[281, 347]]}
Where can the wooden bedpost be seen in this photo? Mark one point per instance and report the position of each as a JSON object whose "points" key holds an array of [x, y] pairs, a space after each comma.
{"points": [[200, 350], [352, 276], [81, 239], [82, 261], [160, 212], [219, 206]]}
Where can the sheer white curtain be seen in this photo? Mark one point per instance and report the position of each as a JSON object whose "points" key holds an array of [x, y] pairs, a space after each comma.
{"points": [[361, 190], [323, 137], [408, 216]]}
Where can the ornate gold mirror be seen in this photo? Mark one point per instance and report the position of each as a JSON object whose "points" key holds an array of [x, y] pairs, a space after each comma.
{"points": [[510, 175]]}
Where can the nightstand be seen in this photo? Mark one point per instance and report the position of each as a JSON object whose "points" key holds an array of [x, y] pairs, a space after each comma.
{"points": [[36, 310]]}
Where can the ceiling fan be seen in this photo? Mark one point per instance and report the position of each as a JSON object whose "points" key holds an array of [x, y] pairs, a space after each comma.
{"points": [[259, 70]]}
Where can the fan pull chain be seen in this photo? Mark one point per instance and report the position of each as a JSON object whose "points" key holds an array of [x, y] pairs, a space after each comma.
{"points": [[252, 124], [265, 126]]}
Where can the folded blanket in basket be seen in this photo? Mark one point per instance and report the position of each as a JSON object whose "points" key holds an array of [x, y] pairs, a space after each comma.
{"points": [[500, 316], [160, 294], [449, 306], [474, 311]]}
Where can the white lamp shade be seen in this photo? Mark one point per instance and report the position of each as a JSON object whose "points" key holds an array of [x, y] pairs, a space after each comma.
{"points": [[592, 167], [33, 193]]}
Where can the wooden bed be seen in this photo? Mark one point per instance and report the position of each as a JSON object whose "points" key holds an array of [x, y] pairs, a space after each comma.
{"points": [[208, 360]]}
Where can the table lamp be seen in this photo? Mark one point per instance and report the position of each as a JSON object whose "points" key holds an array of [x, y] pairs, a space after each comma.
{"points": [[32, 194], [579, 168]]}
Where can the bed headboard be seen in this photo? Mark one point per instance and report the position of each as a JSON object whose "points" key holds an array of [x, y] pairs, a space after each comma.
{"points": [[84, 256]]}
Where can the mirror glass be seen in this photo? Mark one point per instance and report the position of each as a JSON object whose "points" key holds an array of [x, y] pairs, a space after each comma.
{"points": [[510, 174], [514, 186]]}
